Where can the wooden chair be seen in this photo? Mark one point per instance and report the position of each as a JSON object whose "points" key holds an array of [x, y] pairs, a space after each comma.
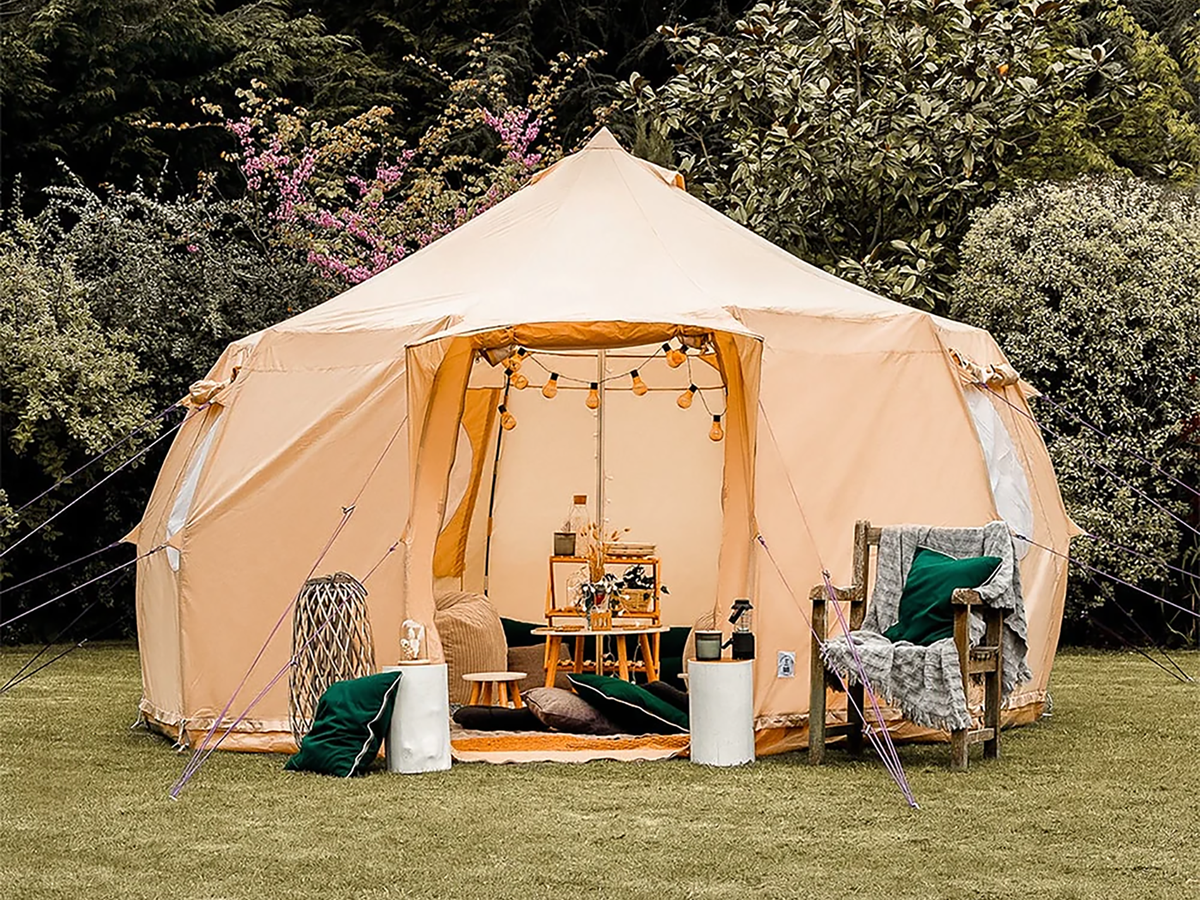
{"points": [[986, 659]]}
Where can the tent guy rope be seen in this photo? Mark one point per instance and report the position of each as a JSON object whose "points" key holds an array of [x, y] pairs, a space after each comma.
{"points": [[158, 440], [94, 459]]}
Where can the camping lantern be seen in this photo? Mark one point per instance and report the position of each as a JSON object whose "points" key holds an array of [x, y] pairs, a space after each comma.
{"points": [[742, 619]]}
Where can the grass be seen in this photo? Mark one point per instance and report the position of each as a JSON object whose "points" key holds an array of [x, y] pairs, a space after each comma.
{"points": [[1097, 801]]}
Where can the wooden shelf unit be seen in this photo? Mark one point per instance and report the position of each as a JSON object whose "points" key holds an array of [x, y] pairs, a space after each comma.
{"points": [[652, 615]]}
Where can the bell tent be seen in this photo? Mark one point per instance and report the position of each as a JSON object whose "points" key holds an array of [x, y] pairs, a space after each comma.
{"points": [[365, 436]]}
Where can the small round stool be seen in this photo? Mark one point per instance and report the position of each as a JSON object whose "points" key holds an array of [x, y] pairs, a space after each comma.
{"points": [[493, 688]]}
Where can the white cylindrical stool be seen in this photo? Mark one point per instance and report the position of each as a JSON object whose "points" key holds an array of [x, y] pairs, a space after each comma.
{"points": [[721, 711], [419, 737]]}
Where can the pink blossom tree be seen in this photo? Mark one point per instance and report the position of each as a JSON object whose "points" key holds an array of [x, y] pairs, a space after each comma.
{"points": [[357, 201]]}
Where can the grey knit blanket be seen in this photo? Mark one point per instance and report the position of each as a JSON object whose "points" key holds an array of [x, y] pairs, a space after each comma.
{"points": [[925, 682]]}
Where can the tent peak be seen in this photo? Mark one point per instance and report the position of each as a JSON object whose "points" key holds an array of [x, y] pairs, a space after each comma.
{"points": [[604, 140]]}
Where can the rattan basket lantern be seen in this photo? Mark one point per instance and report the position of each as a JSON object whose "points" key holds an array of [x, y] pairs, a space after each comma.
{"points": [[331, 641]]}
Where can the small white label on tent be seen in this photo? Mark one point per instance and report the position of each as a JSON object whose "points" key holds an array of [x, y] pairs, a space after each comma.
{"points": [[785, 664]]}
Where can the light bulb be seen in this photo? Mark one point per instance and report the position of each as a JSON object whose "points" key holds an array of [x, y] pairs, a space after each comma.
{"points": [[507, 420], [639, 386], [519, 381], [676, 357], [716, 432], [513, 363], [550, 388], [593, 400], [684, 400]]}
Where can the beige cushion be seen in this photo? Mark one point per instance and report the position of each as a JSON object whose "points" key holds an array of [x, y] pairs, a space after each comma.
{"points": [[529, 660], [564, 711], [472, 639]]}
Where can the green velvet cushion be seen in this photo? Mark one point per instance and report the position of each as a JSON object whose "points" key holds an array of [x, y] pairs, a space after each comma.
{"points": [[519, 634], [926, 614], [634, 709], [352, 718]]}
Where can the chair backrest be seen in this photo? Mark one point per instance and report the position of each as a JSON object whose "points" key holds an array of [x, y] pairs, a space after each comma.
{"points": [[866, 537]]}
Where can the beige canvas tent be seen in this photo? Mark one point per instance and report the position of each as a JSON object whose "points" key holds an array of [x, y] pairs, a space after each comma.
{"points": [[836, 405]]}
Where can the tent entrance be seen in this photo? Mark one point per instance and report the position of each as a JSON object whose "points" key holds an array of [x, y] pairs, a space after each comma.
{"points": [[650, 470]]}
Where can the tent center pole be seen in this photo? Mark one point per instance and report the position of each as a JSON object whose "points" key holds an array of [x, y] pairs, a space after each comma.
{"points": [[601, 524]]}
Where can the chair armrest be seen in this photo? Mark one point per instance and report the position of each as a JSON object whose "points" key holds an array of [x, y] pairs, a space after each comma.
{"points": [[965, 597], [969, 597], [843, 594]]}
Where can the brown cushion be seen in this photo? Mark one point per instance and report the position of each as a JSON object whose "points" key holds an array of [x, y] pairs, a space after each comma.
{"points": [[529, 660], [472, 639], [564, 711]]}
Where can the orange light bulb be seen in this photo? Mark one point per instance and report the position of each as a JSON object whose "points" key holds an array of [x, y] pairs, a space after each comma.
{"points": [[684, 400], [676, 358], [716, 432], [639, 386], [507, 420], [550, 388], [593, 400], [519, 381], [513, 363]]}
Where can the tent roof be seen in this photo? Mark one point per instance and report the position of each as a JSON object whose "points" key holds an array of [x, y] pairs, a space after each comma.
{"points": [[599, 236]]}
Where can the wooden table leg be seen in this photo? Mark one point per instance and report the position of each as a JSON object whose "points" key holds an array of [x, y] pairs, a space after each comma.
{"points": [[599, 654], [580, 643], [502, 690], [553, 651], [622, 657], [474, 701], [487, 693], [518, 703], [651, 657]]}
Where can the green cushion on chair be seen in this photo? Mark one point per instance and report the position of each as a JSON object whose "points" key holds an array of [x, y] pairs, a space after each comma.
{"points": [[633, 708], [926, 613], [348, 729]]}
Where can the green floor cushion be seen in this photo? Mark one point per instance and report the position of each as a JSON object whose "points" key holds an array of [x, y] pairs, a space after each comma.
{"points": [[520, 634], [564, 711], [498, 718], [631, 707], [670, 663], [673, 640], [348, 730], [926, 613]]}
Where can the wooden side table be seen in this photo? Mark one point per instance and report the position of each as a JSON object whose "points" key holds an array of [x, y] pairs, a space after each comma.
{"points": [[493, 688], [648, 638]]}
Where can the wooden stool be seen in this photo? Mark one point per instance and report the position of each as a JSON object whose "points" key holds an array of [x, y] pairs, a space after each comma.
{"points": [[493, 688]]}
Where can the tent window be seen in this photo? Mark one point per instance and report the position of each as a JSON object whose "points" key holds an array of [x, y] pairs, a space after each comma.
{"points": [[187, 490], [1010, 487]]}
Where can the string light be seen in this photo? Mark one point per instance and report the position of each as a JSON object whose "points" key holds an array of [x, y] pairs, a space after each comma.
{"points": [[550, 388], [507, 420], [684, 400], [675, 356], [639, 386], [514, 361], [593, 398], [716, 432], [516, 379]]}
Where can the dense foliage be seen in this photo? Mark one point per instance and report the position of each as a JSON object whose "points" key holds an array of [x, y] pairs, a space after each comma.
{"points": [[860, 135], [1093, 289]]}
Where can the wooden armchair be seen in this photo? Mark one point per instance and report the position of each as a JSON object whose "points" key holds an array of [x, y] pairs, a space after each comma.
{"points": [[986, 659]]}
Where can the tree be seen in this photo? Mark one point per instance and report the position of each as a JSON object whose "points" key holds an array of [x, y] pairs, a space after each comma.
{"points": [[78, 76], [110, 306], [356, 200], [1093, 290], [860, 134]]}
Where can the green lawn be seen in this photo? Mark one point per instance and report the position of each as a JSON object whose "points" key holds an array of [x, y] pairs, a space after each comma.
{"points": [[1101, 800]]}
